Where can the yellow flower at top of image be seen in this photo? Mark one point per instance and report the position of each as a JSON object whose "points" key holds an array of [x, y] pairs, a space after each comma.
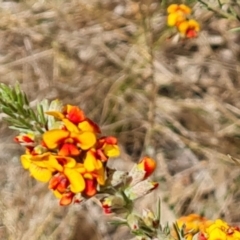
{"points": [[220, 230], [179, 7], [194, 223], [177, 14], [189, 28]]}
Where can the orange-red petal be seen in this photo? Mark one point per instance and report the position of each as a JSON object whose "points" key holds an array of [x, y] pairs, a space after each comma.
{"points": [[74, 114], [148, 165], [66, 198], [59, 182], [90, 189], [69, 149]]}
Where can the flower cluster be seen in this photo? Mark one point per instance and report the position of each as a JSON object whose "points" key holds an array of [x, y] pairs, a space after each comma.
{"points": [[65, 148], [70, 154], [198, 227], [178, 17], [220, 230], [193, 224]]}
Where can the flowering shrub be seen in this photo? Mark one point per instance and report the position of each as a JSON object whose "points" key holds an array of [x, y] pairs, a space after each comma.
{"points": [[66, 149]]}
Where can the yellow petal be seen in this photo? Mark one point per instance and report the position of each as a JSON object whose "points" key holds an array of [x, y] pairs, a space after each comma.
{"points": [[80, 168], [88, 126], [57, 194], [99, 165], [101, 176], [185, 9], [194, 25], [77, 183], [70, 162], [53, 164], [52, 137], [174, 19], [90, 162], [48, 161], [40, 174], [55, 114], [111, 150], [25, 160], [70, 126], [182, 28], [85, 140], [172, 8], [41, 157], [88, 176], [85, 126]]}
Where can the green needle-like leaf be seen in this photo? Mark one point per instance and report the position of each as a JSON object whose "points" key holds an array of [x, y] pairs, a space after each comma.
{"points": [[15, 104]]}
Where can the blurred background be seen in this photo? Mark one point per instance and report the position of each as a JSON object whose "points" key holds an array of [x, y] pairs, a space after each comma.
{"points": [[177, 100]]}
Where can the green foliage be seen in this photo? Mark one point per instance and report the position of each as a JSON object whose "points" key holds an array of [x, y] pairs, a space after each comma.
{"points": [[15, 104], [179, 231]]}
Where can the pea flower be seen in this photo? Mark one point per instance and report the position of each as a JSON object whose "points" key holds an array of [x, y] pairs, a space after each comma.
{"points": [[70, 140], [194, 224], [220, 230], [178, 17], [41, 167], [189, 28], [177, 14]]}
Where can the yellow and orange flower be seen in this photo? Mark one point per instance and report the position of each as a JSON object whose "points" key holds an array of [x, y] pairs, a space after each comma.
{"points": [[220, 230], [69, 141], [194, 223], [178, 17], [177, 14], [78, 177], [107, 147], [179, 8], [189, 28], [69, 155], [41, 167]]}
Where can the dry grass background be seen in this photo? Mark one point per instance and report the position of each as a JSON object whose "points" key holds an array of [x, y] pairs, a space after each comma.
{"points": [[175, 100]]}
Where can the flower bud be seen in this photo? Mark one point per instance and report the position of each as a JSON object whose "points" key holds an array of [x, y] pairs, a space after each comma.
{"points": [[148, 165], [133, 222], [142, 170], [114, 204], [140, 189], [66, 198], [116, 178], [149, 219]]}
